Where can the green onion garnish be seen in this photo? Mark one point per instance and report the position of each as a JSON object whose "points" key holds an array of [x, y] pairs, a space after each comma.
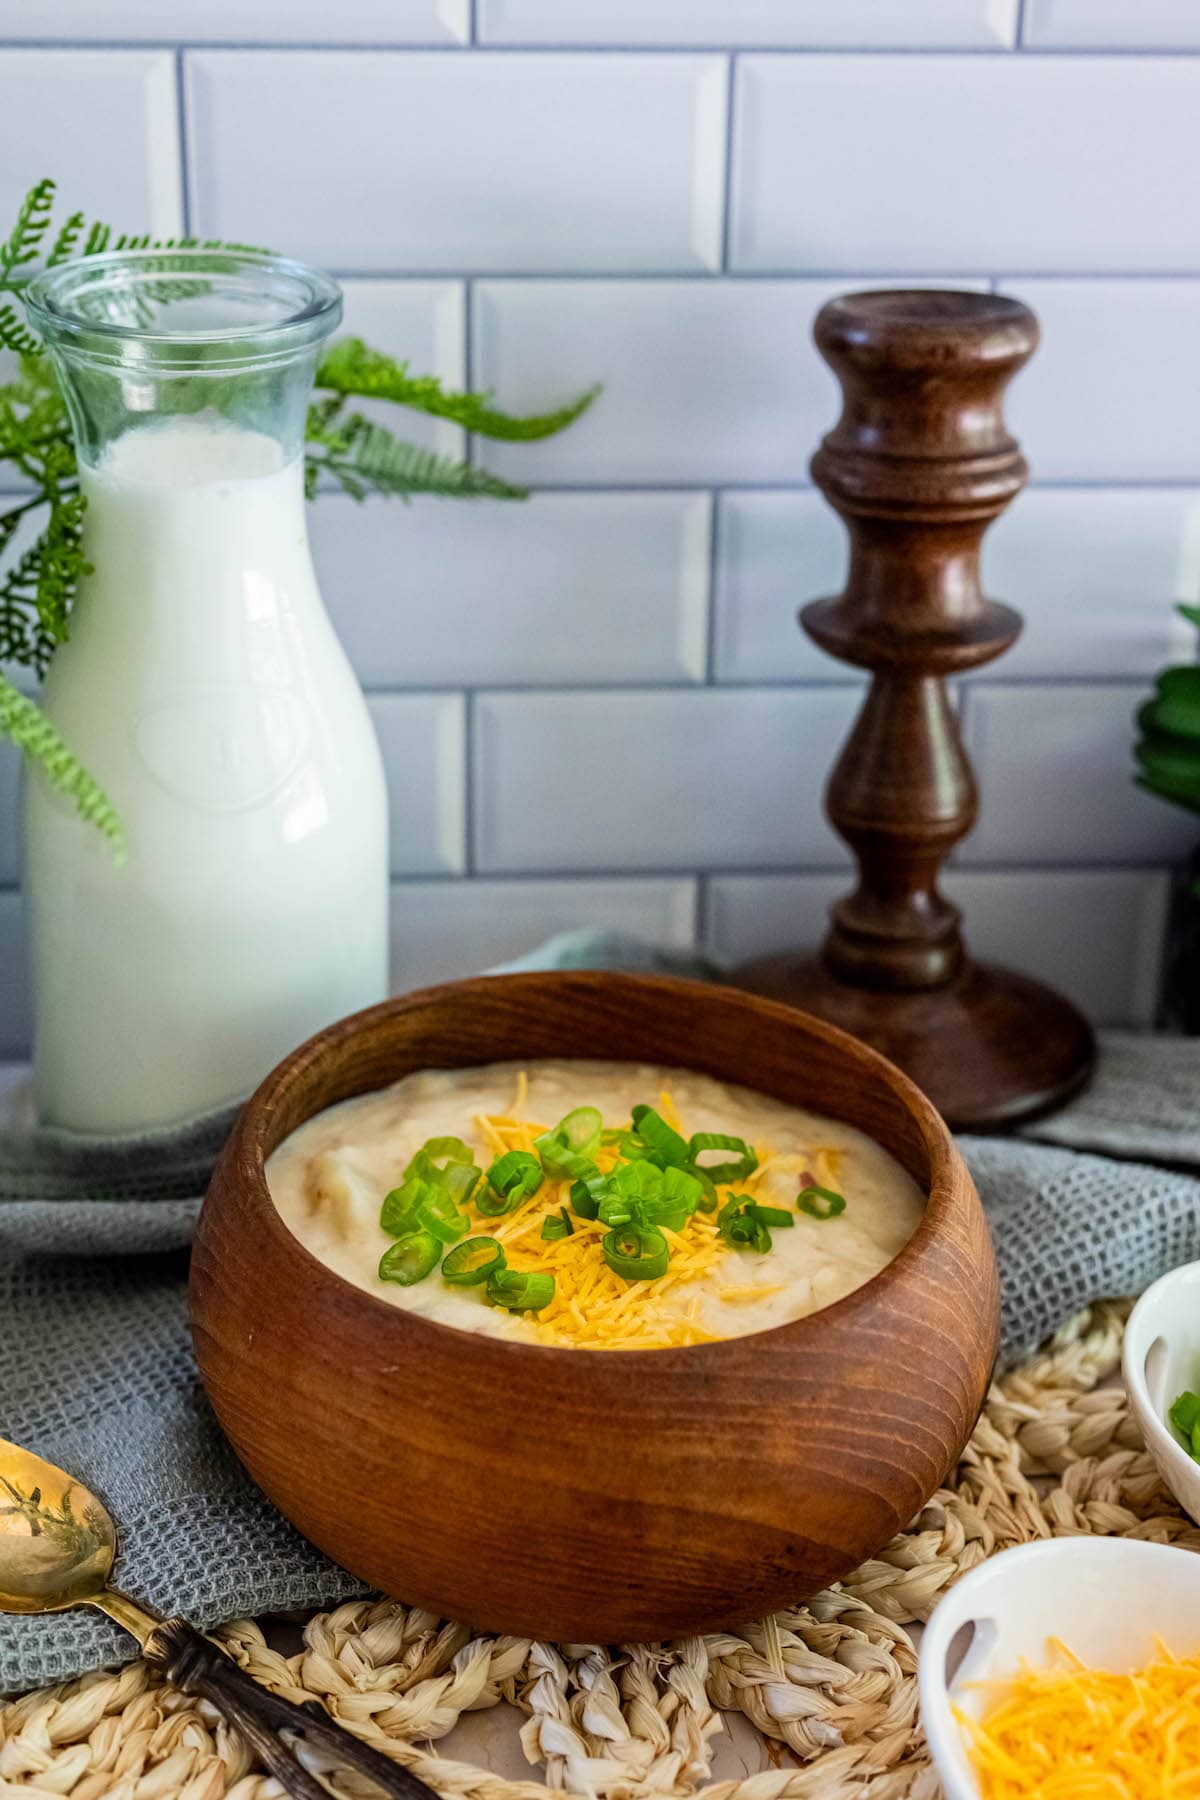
{"points": [[437, 1213], [470, 1264], [773, 1215], [636, 1252], [741, 1226], [663, 1145], [586, 1196], [411, 1258], [512, 1178], [820, 1203], [722, 1172], [399, 1211], [1185, 1417], [520, 1290], [555, 1226], [567, 1150]]}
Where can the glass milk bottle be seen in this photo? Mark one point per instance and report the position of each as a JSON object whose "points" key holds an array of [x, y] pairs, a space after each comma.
{"points": [[204, 688]]}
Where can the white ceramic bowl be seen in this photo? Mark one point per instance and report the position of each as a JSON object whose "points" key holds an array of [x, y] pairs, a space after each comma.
{"points": [[1161, 1359], [1109, 1599]]}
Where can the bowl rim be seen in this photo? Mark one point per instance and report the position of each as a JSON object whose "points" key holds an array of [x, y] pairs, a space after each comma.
{"points": [[942, 1194]]}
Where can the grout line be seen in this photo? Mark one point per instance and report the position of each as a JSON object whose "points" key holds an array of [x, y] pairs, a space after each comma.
{"points": [[469, 743], [715, 530], [473, 23], [754, 871], [841, 681], [440, 47], [181, 117], [727, 172], [1022, 21], [470, 443], [789, 276], [701, 913]]}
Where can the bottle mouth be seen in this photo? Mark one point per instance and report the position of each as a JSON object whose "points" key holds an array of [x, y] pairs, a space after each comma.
{"points": [[182, 311]]}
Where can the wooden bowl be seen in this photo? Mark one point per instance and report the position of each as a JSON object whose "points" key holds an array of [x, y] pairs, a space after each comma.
{"points": [[588, 1495]]}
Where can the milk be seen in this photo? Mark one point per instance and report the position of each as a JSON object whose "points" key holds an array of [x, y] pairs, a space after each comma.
{"points": [[205, 689]]}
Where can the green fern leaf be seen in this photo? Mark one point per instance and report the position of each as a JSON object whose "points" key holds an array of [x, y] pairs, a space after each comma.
{"points": [[14, 336], [365, 458], [32, 223], [22, 720], [350, 367], [1191, 614], [97, 238], [67, 240]]}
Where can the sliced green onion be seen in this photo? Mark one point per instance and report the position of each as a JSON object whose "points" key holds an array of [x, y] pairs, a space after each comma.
{"points": [[399, 1210], [567, 1150], [663, 1144], [702, 1141], [470, 1264], [773, 1215], [437, 1213], [554, 1227], [520, 1290], [629, 1188], [741, 1226], [512, 1178], [436, 1155], [411, 1258], [461, 1180], [636, 1252], [820, 1203], [586, 1196]]}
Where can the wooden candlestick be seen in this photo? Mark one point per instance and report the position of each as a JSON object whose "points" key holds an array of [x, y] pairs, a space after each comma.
{"points": [[918, 466]]}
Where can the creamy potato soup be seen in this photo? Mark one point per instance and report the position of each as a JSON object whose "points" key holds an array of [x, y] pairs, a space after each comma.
{"points": [[592, 1205]]}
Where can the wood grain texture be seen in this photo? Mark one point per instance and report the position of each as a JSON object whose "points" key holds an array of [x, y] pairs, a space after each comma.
{"points": [[589, 1495], [918, 466]]}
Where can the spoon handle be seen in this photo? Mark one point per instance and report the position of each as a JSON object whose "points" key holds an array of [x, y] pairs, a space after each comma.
{"points": [[196, 1665]]}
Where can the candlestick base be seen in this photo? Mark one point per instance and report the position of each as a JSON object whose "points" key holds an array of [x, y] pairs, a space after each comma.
{"points": [[990, 1049]]}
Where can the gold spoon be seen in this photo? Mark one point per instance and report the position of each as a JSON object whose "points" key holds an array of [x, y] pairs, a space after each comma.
{"points": [[57, 1547]]}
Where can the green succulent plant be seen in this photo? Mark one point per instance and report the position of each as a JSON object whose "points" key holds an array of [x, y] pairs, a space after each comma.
{"points": [[1168, 750]]}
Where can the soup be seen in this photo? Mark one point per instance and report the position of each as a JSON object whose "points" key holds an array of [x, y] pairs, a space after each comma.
{"points": [[592, 1205]]}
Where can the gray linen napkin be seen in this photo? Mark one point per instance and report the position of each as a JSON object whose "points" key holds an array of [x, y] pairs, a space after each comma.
{"points": [[96, 1369]]}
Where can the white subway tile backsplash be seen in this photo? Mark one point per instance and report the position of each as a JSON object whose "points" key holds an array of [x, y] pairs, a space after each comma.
{"points": [[16, 1012], [422, 323], [1095, 934], [1017, 162], [703, 381], [580, 588], [643, 780], [1094, 571], [103, 123], [233, 21], [775, 552], [439, 161], [423, 740], [1112, 25], [1113, 392], [445, 929], [796, 24], [1055, 767]]}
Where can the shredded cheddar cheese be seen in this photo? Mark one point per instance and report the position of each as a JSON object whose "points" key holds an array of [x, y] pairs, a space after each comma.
{"points": [[1069, 1732]]}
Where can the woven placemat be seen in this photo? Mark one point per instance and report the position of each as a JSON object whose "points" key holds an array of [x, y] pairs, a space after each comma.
{"points": [[831, 1685]]}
